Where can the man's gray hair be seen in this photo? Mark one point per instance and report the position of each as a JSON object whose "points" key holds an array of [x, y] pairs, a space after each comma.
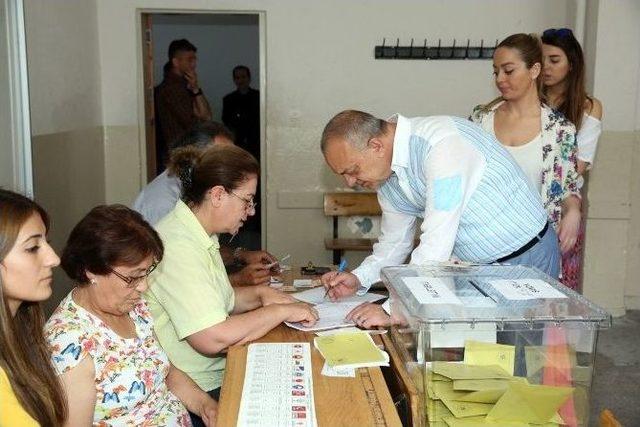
{"points": [[356, 127]]}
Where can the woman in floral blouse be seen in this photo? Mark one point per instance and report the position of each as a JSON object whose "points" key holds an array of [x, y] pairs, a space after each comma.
{"points": [[541, 140], [101, 335]]}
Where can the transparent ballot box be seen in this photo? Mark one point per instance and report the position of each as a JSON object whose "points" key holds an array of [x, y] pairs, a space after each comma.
{"points": [[493, 345]]}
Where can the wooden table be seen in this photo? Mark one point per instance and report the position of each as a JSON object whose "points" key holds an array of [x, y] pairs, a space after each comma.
{"points": [[360, 401]]}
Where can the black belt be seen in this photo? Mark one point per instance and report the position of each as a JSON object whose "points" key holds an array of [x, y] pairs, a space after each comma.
{"points": [[526, 247]]}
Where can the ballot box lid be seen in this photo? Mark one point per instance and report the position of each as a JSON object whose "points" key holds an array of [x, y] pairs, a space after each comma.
{"points": [[446, 293]]}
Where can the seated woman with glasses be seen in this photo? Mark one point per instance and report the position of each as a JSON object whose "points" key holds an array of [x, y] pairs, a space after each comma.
{"points": [[101, 335], [196, 311]]}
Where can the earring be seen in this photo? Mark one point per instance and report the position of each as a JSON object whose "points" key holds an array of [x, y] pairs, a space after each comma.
{"points": [[93, 281]]}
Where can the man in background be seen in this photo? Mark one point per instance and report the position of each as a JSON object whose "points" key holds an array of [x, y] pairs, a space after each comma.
{"points": [[180, 103], [241, 111], [241, 114]]}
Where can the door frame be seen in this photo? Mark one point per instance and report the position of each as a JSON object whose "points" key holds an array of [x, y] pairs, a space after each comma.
{"points": [[142, 105], [19, 129]]}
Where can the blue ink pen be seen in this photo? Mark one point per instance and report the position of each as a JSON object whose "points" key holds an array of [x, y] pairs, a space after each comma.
{"points": [[341, 268]]}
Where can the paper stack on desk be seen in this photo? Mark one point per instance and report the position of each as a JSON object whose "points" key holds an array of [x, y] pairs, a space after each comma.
{"points": [[331, 314], [350, 350], [487, 393]]}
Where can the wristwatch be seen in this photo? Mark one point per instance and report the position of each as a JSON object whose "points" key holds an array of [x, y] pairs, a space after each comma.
{"points": [[199, 92]]}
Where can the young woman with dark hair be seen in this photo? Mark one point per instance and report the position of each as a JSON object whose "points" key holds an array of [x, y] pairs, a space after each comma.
{"points": [[30, 393], [563, 88]]}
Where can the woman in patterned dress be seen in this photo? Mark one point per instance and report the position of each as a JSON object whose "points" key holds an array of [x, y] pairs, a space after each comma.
{"points": [[541, 140], [563, 87], [101, 336]]}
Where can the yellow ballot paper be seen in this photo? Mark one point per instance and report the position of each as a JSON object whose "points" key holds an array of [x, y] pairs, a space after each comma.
{"points": [[479, 422], [443, 389], [461, 371], [467, 409], [482, 353], [486, 384], [436, 411], [536, 404], [482, 396], [431, 376], [355, 349]]}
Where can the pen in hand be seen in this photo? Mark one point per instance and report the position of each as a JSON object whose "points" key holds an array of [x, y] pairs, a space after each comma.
{"points": [[341, 268]]}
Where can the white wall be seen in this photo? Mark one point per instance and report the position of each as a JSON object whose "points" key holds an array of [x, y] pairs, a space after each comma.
{"points": [[223, 41], [319, 60], [66, 113]]}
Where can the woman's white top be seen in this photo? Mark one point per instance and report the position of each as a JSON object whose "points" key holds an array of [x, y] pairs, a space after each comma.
{"points": [[528, 156], [587, 138]]}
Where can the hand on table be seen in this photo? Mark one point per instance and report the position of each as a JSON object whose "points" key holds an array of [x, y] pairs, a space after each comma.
{"points": [[340, 284], [300, 312], [256, 257], [250, 275], [270, 296], [369, 315]]}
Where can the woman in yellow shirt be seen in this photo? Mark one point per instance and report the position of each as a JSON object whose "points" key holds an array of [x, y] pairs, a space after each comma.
{"points": [[197, 314], [30, 393]]}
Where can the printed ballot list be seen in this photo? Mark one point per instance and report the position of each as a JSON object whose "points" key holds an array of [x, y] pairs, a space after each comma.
{"points": [[278, 386], [431, 290]]}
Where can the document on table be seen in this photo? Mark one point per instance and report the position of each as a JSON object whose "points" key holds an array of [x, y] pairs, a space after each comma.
{"points": [[317, 296], [354, 350], [331, 315], [278, 386]]}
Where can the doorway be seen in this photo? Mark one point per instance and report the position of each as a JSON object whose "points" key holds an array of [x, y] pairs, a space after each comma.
{"points": [[223, 41]]}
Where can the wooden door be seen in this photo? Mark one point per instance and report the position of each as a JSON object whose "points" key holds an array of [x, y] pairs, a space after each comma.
{"points": [[149, 110]]}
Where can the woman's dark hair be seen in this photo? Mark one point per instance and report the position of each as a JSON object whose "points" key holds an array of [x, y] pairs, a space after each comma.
{"points": [[24, 355], [107, 236], [575, 96], [201, 169]]}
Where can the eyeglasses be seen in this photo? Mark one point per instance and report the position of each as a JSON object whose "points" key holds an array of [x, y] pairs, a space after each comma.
{"points": [[558, 32], [249, 204], [133, 282]]}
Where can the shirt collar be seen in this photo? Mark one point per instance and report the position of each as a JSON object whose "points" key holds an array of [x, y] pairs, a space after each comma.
{"points": [[194, 228], [400, 158]]}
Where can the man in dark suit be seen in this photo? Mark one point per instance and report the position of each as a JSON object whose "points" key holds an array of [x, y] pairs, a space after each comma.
{"points": [[241, 111]]}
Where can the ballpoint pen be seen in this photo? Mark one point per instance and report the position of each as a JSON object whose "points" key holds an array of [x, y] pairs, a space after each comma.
{"points": [[341, 267], [273, 264]]}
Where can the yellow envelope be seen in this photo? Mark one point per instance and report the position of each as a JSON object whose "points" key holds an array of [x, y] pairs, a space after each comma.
{"points": [[486, 384], [482, 396], [467, 409], [443, 389], [431, 376], [483, 353], [479, 422], [436, 410], [536, 404], [348, 349], [461, 371]]}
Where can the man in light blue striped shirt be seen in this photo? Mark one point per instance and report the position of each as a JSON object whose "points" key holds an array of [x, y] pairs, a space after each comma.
{"points": [[475, 202]]}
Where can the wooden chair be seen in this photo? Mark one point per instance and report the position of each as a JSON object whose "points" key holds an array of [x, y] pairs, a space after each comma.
{"points": [[338, 205]]}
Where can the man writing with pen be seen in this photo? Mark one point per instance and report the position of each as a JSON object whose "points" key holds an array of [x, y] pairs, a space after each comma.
{"points": [[475, 203]]}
